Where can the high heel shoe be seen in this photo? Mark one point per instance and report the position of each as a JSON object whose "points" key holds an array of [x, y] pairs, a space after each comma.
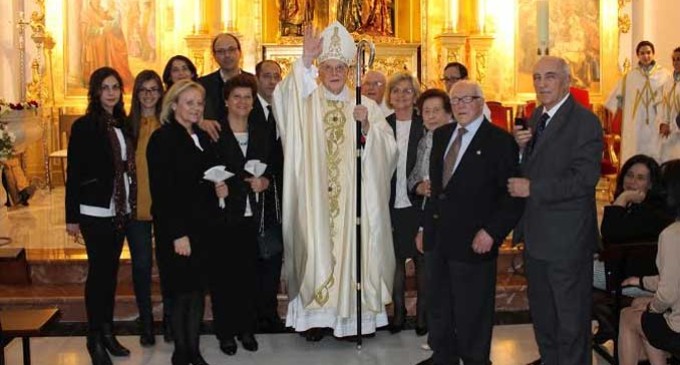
{"points": [[111, 343], [97, 351]]}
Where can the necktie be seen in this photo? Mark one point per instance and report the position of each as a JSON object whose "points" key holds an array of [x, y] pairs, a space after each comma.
{"points": [[451, 156], [540, 128], [270, 116]]}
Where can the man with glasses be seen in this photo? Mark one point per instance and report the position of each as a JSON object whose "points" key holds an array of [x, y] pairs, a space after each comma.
{"points": [[318, 126], [454, 72], [466, 219], [226, 49], [373, 87]]}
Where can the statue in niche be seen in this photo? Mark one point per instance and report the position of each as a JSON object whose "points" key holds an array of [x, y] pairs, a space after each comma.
{"points": [[294, 15], [373, 17]]}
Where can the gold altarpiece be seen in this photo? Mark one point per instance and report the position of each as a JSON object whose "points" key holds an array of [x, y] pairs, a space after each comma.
{"points": [[486, 35]]}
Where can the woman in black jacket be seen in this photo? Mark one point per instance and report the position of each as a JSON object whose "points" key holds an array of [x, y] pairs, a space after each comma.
{"points": [[637, 214], [183, 205], [233, 269], [100, 199]]}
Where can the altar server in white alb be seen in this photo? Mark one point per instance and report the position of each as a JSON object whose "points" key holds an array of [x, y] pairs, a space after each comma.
{"points": [[318, 131], [669, 115], [638, 96]]}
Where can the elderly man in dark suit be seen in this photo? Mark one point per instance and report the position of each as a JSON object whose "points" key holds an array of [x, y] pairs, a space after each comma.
{"points": [[561, 150], [467, 218]]}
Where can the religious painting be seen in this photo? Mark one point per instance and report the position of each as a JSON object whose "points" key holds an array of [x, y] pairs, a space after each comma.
{"points": [[372, 17], [574, 34], [121, 34]]}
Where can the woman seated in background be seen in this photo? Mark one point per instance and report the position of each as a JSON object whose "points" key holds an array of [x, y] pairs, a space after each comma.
{"points": [[233, 269], [184, 205], [178, 68], [653, 323], [638, 214]]}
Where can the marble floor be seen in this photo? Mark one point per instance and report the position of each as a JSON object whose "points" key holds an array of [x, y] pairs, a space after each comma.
{"points": [[512, 345]]}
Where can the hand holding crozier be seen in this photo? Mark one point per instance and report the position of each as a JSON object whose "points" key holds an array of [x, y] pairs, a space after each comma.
{"points": [[217, 174]]}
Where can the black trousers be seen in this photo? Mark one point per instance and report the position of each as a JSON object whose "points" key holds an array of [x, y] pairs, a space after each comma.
{"points": [[233, 278], [103, 244], [269, 279], [461, 309], [560, 298], [405, 222]]}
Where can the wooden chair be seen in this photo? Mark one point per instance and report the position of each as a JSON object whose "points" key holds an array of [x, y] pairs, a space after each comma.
{"points": [[24, 323], [501, 115], [60, 154]]}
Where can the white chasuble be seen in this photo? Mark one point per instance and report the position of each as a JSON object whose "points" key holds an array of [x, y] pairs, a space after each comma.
{"points": [[318, 133], [670, 107], [638, 94]]}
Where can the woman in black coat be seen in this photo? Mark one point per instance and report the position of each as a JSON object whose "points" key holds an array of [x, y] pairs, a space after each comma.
{"points": [[100, 199], [233, 270], [183, 206]]}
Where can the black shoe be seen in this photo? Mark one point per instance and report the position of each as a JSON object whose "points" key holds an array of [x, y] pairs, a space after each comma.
{"points": [[429, 361], [314, 334], [97, 351], [111, 343], [146, 337], [395, 328], [228, 346], [179, 358], [167, 329], [248, 341], [26, 194], [197, 359], [536, 362], [421, 331]]}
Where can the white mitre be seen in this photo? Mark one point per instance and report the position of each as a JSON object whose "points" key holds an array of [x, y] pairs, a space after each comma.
{"points": [[338, 44]]}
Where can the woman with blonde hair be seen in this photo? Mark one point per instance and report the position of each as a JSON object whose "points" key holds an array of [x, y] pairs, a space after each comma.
{"points": [[183, 205]]}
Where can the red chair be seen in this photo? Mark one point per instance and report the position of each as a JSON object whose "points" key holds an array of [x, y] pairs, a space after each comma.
{"points": [[501, 115], [582, 96]]}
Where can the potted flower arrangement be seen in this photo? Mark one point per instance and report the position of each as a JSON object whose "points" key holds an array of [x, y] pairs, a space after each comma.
{"points": [[22, 121]]}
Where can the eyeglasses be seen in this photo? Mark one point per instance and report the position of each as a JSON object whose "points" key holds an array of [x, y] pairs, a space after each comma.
{"points": [[464, 100], [407, 91], [374, 83], [451, 79], [334, 69], [224, 51], [145, 91]]}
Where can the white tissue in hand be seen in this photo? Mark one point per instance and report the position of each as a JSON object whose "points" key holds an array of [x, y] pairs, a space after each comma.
{"points": [[217, 174], [255, 167]]}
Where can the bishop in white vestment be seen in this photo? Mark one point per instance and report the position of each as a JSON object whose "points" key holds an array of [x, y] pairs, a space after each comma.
{"points": [[637, 94], [318, 132]]}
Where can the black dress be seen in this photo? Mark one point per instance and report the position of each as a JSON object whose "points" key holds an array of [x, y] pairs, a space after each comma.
{"points": [[233, 256], [183, 203], [636, 223]]}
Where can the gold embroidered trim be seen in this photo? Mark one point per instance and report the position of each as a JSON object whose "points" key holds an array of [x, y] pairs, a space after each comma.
{"points": [[334, 127], [646, 95]]}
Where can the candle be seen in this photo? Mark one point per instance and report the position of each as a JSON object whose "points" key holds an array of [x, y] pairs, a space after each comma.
{"points": [[453, 14], [481, 16], [542, 18], [197, 16], [226, 13]]}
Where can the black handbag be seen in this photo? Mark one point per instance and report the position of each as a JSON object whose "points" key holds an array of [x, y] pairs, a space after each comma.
{"points": [[270, 239]]}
